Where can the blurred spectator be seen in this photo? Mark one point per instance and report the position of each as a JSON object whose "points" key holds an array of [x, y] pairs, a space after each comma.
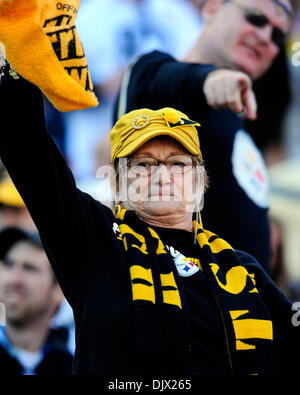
{"points": [[273, 100], [31, 295], [292, 135], [13, 213]]}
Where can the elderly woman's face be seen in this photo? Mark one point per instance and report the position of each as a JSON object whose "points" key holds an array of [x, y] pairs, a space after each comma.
{"points": [[158, 190]]}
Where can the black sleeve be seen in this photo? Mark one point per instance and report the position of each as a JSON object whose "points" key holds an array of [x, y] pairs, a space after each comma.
{"points": [[157, 80], [60, 211]]}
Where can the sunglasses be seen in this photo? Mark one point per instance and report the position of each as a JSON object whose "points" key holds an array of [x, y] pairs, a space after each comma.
{"points": [[260, 20]]}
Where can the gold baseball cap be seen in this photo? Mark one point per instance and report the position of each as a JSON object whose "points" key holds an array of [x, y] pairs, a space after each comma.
{"points": [[137, 127], [9, 195]]}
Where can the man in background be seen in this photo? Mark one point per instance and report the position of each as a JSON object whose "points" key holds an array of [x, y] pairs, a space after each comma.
{"points": [[31, 296]]}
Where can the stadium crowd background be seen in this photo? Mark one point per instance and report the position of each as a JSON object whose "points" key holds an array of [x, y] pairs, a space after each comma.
{"points": [[113, 32]]}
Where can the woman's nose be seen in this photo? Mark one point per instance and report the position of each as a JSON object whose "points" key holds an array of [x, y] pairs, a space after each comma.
{"points": [[161, 174]]}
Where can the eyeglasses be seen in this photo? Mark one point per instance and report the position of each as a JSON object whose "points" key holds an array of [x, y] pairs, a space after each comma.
{"points": [[259, 19], [176, 164]]}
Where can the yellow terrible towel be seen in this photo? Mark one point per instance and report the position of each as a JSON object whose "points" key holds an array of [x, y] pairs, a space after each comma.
{"points": [[42, 45]]}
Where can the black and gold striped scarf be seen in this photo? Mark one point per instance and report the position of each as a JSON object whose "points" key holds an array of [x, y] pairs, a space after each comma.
{"points": [[160, 310]]}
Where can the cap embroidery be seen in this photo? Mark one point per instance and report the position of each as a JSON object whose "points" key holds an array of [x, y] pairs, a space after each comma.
{"points": [[173, 119], [139, 125]]}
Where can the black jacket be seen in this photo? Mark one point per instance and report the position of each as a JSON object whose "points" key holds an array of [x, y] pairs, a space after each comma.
{"points": [[57, 361]]}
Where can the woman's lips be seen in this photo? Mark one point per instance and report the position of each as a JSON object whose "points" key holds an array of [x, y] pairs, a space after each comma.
{"points": [[161, 196]]}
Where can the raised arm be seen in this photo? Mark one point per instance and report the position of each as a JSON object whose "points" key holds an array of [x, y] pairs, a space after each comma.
{"points": [[42, 177], [157, 80]]}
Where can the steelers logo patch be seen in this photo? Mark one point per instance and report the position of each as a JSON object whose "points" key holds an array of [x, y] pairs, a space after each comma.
{"points": [[249, 169]]}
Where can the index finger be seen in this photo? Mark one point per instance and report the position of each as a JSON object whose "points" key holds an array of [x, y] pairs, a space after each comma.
{"points": [[249, 101]]}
